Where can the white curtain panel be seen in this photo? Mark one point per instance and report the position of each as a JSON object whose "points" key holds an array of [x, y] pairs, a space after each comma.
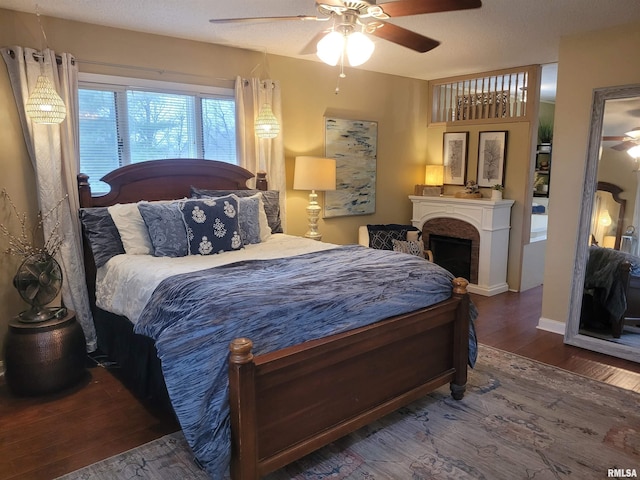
{"points": [[55, 156], [261, 154]]}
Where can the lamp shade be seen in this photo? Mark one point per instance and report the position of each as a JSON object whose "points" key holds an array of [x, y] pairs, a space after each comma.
{"points": [[634, 151], [266, 124], [434, 175], [314, 173], [44, 104], [359, 48], [329, 48]]}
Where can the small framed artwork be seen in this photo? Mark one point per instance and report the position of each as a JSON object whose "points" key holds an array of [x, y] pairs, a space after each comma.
{"points": [[454, 157], [492, 147]]}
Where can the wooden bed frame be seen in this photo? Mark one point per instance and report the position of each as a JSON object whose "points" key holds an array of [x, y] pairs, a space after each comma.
{"points": [[290, 402]]}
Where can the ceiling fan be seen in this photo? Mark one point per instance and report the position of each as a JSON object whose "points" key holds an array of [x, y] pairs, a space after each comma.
{"points": [[367, 17], [629, 140]]}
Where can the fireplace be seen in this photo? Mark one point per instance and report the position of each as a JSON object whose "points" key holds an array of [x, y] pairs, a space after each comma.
{"points": [[481, 223], [452, 253]]}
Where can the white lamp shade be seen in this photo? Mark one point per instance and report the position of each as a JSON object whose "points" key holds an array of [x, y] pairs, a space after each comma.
{"points": [[266, 124], [434, 175], [359, 48], [314, 173], [634, 151], [329, 48], [44, 104]]}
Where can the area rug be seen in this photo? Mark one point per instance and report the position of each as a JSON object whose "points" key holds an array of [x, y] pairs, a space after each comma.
{"points": [[519, 419]]}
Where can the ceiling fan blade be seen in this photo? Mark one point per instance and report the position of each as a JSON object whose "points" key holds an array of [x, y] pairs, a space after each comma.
{"points": [[312, 46], [416, 7], [621, 147], [266, 19], [610, 138], [404, 37]]}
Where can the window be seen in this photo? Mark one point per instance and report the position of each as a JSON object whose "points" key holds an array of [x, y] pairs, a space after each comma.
{"points": [[125, 121]]}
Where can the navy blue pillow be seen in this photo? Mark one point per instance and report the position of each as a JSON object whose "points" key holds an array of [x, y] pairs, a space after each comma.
{"points": [[212, 225], [102, 234], [271, 199], [382, 236]]}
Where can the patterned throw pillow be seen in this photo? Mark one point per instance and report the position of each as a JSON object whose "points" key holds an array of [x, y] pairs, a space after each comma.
{"points": [[166, 228], [212, 225], [411, 247], [249, 219], [381, 236], [271, 199]]}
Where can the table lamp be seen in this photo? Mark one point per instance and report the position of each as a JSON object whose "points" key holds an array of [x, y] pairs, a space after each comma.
{"points": [[314, 173]]}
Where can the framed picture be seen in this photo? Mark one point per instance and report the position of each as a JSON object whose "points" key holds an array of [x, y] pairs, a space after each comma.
{"points": [[454, 158], [353, 144], [492, 148]]}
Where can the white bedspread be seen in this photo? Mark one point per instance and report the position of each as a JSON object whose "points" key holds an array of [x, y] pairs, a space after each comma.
{"points": [[125, 283]]}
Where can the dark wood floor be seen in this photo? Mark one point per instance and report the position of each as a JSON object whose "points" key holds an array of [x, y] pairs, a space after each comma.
{"points": [[42, 438]]}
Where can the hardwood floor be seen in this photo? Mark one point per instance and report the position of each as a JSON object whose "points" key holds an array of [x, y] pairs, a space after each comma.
{"points": [[48, 436]]}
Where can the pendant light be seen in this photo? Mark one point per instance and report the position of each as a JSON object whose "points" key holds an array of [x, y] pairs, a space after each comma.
{"points": [[44, 105], [266, 124]]}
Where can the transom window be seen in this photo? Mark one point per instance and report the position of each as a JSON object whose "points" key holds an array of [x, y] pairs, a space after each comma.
{"points": [[124, 120]]}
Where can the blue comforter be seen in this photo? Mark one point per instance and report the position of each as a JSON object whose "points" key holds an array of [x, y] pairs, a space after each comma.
{"points": [[276, 303]]}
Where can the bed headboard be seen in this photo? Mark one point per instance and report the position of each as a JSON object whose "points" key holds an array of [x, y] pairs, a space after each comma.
{"points": [[166, 180]]}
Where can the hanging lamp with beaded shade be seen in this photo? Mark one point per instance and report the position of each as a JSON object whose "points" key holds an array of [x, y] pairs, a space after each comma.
{"points": [[44, 104], [266, 124]]}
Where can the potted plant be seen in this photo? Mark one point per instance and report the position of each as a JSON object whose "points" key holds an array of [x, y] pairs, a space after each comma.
{"points": [[545, 135], [496, 192]]}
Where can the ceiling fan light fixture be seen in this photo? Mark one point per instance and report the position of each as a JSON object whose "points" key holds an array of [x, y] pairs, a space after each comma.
{"points": [[359, 48], [634, 133], [634, 151], [330, 48]]}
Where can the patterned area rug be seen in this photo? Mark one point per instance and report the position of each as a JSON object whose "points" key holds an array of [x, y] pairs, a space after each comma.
{"points": [[518, 420]]}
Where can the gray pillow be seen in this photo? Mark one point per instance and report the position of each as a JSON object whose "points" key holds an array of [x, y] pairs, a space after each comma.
{"points": [[101, 233], [166, 228], [248, 211], [271, 199]]}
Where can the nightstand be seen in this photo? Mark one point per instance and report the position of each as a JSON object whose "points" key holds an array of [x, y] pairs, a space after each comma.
{"points": [[44, 357]]}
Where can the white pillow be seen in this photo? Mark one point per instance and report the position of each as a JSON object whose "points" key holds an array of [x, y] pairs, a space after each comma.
{"points": [[265, 229], [132, 229]]}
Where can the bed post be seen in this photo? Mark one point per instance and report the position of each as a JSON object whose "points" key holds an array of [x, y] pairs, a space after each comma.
{"points": [[261, 181], [461, 339], [84, 190], [242, 398]]}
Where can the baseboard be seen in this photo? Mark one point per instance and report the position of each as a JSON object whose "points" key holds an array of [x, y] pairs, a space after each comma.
{"points": [[552, 326]]}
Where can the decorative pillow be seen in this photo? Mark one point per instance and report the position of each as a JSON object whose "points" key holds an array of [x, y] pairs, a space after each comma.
{"points": [[410, 246], [381, 236], [166, 228], [249, 219], [132, 229], [102, 234], [271, 200], [212, 225]]}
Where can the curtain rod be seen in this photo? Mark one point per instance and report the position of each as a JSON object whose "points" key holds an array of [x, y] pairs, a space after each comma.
{"points": [[161, 71]]}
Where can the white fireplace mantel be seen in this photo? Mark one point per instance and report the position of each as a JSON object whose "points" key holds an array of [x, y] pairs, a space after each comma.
{"points": [[492, 219]]}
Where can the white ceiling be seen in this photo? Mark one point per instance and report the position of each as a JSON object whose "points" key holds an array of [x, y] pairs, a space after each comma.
{"points": [[501, 34]]}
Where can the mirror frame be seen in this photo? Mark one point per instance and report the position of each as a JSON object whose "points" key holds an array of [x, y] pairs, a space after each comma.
{"points": [[572, 334]]}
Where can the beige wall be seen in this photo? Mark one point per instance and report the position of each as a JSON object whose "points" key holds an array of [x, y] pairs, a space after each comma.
{"points": [[308, 94], [597, 59]]}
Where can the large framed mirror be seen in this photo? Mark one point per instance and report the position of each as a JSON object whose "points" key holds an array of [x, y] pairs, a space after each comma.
{"points": [[614, 116]]}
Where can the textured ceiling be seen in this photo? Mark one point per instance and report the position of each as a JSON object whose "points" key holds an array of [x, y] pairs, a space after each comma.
{"points": [[501, 34]]}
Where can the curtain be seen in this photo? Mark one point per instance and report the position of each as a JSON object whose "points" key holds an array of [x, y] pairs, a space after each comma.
{"points": [[260, 154], [55, 156]]}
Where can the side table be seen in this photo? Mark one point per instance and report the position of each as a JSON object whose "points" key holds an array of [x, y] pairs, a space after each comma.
{"points": [[44, 357]]}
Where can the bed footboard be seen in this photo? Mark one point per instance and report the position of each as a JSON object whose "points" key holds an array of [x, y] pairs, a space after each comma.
{"points": [[291, 402]]}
